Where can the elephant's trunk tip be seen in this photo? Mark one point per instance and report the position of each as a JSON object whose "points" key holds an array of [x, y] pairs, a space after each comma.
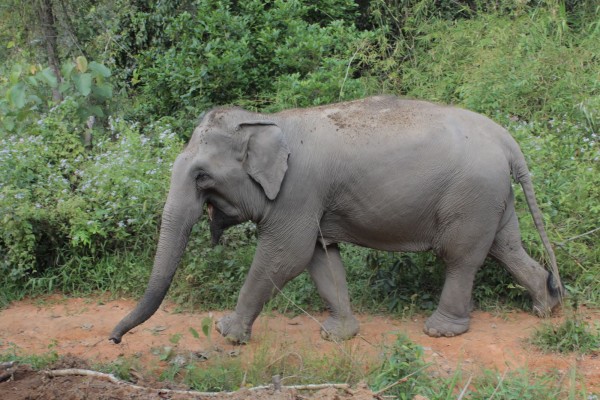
{"points": [[116, 336], [114, 339]]}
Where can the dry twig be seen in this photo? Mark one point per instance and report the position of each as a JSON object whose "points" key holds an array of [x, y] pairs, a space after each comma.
{"points": [[464, 391]]}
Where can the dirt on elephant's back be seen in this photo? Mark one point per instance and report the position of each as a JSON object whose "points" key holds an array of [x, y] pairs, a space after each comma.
{"points": [[80, 327]]}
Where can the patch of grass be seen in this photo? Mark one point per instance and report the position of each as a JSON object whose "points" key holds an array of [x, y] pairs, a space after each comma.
{"points": [[122, 367], [217, 370], [519, 384], [574, 334], [403, 371], [37, 361]]}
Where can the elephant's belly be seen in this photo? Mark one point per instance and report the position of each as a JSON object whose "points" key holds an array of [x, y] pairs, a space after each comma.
{"points": [[382, 235]]}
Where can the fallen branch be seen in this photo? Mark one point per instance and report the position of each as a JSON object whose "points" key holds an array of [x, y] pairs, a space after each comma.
{"points": [[115, 380]]}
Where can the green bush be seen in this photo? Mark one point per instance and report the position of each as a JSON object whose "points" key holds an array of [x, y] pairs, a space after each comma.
{"points": [[403, 372], [61, 203], [250, 53], [30, 88]]}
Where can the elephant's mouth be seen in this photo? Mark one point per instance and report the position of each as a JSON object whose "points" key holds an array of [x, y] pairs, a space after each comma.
{"points": [[218, 222]]}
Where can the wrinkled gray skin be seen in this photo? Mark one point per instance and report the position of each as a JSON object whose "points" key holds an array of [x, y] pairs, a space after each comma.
{"points": [[385, 173]]}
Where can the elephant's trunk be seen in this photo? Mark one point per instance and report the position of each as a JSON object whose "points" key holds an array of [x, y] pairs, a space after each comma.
{"points": [[177, 222]]}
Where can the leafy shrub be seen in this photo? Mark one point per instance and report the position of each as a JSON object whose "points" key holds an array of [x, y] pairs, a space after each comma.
{"points": [[402, 373], [249, 52], [29, 88], [60, 203]]}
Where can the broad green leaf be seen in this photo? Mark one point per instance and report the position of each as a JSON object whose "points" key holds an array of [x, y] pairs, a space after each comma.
{"points": [[49, 77], [82, 64], [83, 83], [9, 123], [206, 324], [17, 95], [194, 333], [84, 112], [31, 81], [15, 73], [99, 69], [67, 70], [103, 91], [35, 99], [64, 86], [95, 110]]}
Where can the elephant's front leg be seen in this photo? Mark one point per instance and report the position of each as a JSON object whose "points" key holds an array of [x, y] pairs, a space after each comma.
{"points": [[328, 273], [277, 261]]}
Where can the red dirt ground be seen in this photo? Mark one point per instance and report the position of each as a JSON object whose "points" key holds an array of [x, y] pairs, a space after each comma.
{"points": [[78, 328]]}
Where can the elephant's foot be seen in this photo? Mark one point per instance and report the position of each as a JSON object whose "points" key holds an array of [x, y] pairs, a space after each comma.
{"points": [[338, 329], [441, 325], [233, 329]]}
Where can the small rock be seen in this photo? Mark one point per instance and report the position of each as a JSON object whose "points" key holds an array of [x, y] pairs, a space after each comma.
{"points": [[87, 327], [158, 328], [179, 360]]}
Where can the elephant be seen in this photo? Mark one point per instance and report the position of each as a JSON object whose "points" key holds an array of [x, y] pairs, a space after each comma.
{"points": [[382, 172]]}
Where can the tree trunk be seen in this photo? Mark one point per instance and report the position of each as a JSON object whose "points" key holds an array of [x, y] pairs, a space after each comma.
{"points": [[50, 36]]}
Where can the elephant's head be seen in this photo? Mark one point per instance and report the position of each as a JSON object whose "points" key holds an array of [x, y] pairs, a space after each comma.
{"points": [[234, 164]]}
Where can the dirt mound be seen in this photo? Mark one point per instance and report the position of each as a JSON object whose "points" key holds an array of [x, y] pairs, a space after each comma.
{"points": [[80, 327]]}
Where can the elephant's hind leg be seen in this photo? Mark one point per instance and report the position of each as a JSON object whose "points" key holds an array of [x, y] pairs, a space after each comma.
{"points": [[464, 250], [328, 273], [507, 249]]}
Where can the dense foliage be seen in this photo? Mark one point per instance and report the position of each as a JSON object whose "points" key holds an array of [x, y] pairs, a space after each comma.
{"points": [[86, 145]]}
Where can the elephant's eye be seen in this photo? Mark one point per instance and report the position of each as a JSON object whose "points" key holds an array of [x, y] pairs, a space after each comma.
{"points": [[202, 179]]}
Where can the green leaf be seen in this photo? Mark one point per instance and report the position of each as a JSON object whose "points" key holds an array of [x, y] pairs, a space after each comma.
{"points": [[206, 324], [9, 123], [85, 111], [17, 95], [35, 99], [194, 333], [49, 77], [95, 110], [67, 70], [31, 81], [15, 73], [100, 69], [83, 83], [103, 91], [64, 87], [82, 64]]}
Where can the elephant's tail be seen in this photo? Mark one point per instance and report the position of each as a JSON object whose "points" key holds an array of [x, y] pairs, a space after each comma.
{"points": [[522, 176]]}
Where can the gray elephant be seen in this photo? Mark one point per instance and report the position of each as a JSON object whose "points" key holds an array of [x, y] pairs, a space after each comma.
{"points": [[383, 172]]}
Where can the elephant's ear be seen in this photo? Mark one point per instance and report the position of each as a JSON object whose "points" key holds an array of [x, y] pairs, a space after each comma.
{"points": [[266, 155]]}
